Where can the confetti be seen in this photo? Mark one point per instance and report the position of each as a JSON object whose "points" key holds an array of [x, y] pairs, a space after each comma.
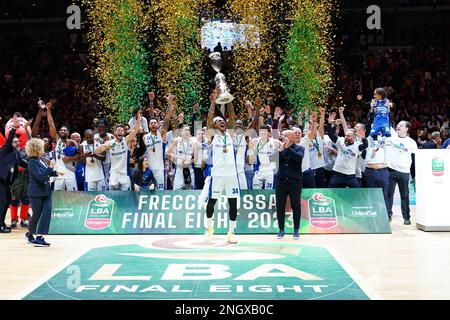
{"points": [[307, 69]]}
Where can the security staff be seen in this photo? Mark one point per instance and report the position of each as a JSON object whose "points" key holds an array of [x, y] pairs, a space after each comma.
{"points": [[290, 181]]}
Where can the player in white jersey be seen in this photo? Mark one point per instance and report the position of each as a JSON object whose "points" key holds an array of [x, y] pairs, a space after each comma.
{"points": [[94, 175], [118, 148], [102, 137], [222, 160], [241, 153], [360, 162], [317, 153], [308, 180], [344, 170], [183, 153], [155, 141], [376, 174], [200, 149], [63, 164], [400, 157], [262, 151]]}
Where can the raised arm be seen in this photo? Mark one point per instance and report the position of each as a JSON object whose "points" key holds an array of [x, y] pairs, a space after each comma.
{"points": [[276, 118], [322, 122], [37, 123], [151, 108], [231, 122], [255, 120], [342, 117], [361, 132], [364, 105], [28, 129], [169, 113], [7, 147], [51, 122], [313, 132], [212, 108], [300, 119], [135, 130], [331, 129]]}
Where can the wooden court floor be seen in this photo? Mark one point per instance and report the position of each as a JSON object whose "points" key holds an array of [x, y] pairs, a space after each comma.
{"points": [[407, 264]]}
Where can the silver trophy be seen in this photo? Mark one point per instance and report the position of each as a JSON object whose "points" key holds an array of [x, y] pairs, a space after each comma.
{"points": [[216, 63]]}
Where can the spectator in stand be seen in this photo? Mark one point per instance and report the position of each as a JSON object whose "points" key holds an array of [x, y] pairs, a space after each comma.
{"points": [[422, 137], [433, 124], [435, 142]]}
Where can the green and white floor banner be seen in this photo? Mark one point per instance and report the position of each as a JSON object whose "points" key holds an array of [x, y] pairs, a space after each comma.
{"points": [[185, 267]]}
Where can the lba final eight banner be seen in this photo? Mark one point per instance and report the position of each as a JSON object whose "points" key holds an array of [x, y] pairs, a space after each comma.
{"points": [[179, 212]]}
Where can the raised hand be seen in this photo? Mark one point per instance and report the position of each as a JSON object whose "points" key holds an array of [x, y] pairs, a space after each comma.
{"points": [[278, 111], [267, 109], [258, 102], [212, 98], [169, 111], [28, 123], [341, 109], [49, 105], [361, 132], [322, 111], [151, 95], [180, 117], [216, 92], [359, 97], [314, 116], [170, 98], [332, 117]]}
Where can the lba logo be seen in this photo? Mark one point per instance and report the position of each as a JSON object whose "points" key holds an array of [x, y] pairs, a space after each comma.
{"points": [[437, 167], [99, 213], [322, 211]]}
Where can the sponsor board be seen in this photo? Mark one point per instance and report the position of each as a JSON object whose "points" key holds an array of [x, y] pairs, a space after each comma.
{"points": [[179, 212]]}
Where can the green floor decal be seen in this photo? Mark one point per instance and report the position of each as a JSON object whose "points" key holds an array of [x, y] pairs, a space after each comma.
{"points": [[187, 268]]}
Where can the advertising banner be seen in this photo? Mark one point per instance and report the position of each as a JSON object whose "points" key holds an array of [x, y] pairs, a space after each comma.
{"points": [[179, 212]]}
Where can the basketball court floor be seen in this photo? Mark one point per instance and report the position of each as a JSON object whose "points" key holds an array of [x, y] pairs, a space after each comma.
{"points": [[407, 264]]}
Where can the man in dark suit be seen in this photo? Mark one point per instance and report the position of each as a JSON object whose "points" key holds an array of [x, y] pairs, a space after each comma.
{"points": [[9, 162], [289, 181], [434, 142]]}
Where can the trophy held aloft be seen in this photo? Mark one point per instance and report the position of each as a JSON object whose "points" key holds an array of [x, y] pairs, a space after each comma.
{"points": [[225, 95]]}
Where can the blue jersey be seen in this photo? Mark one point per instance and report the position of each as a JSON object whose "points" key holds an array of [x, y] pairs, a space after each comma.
{"points": [[381, 112], [381, 122]]}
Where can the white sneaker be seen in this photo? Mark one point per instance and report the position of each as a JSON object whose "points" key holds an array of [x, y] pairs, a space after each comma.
{"points": [[209, 233], [231, 239]]}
